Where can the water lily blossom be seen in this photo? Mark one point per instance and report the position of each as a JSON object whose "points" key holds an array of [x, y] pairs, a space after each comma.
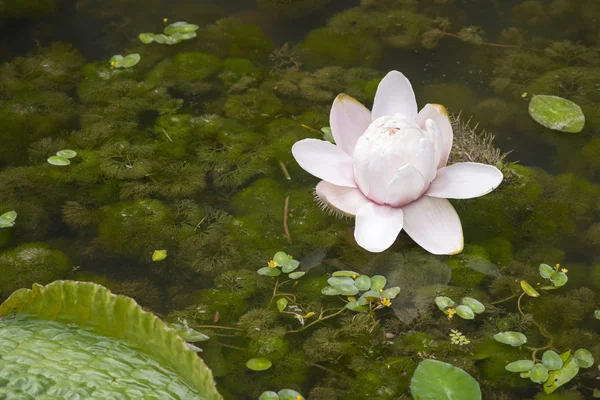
{"points": [[388, 169]]}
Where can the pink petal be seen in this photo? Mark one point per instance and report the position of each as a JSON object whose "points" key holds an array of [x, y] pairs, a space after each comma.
{"points": [[434, 225], [325, 160], [345, 200], [465, 181], [439, 114], [348, 119], [406, 186], [377, 227], [394, 96]]}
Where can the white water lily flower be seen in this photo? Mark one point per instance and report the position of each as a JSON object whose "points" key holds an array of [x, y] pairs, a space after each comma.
{"points": [[388, 169]]}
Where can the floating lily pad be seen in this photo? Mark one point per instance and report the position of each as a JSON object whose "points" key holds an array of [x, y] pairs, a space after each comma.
{"points": [[345, 273], [363, 283], [296, 275], [59, 161], [538, 374], [282, 304], [561, 377], [129, 61], [557, 113], [378, 282], [356, 306], [330, 291], [346, 289], [281, 258], [268, 271], [269, 396], [465, 312], [473, 304], [583, 358], [511, 338], [146, 37], [546, 271], [559, 279], [340, 280], [259, 364], [552, 360], [160, 38], [519, 366], [597, 314], [443, 302], [437, 380], [289, 266], [390, 293], [529, 290], [8, 219], [66, 153], [159, 255], [289, 394], [180, 27]]}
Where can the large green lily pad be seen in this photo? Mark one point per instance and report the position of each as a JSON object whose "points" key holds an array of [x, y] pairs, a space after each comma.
{"points": [[77, 340], [437, 380], [557, 113]]}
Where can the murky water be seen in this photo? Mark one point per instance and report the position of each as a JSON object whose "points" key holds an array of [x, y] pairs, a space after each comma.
{"points": [[189, 151]]}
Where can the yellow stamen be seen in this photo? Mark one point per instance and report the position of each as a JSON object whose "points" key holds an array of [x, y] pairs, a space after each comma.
{"points": [[451, 312]]}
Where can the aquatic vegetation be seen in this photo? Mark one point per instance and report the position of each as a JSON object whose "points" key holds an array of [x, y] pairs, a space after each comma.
{"points": [[439, 380], [556, 113], [259, 364], [466, 310], [62, 157], [118, 61], [283, 394], [159, 255], [172, 34], [8, 219], [419, 211]]}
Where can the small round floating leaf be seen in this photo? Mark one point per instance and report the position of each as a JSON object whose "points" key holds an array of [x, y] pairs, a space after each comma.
{"points": [[465, 312], [546, 271], [183, 35], [371, 295], [160, 38], [172, 40], [519, 366], [390, 293], [282, 304], [538, 374], [346, 289], [289, 266], [345, 273], [339, 280], [66, 153], [511, 338], [289, 394], [473, 304], [159, 255], [116, 58], [356, 306], [524, 374], [60, 161], [559, 279], [561, 377], [597, 314], [8, 219], [269, 396], [267, 271], [378, 282], [363, 283], [437, 380], [557, 113], [583, 358], [529, 290], [259, 364], [281, 258], [330, 291], [130, 60], [552, 360], [296, 275], [443, 302], [146, 37]]}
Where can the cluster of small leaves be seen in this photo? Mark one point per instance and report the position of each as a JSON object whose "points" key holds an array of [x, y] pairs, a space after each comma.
{"points": [[458, 338], [8, 219], [118, 61], [466, 310], [283, 394], [554, 370], [556, 277], [172, 34], [350, 283], [282, 262], [188, 334], [62, 157]]}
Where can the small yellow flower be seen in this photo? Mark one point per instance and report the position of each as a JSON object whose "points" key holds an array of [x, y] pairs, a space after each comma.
{"points": [[557, 267], [112, 64], [353, 276], [386, 302], [298, 397], [451, 312], [380, 290], [564, 270], [165, 20], [272, 264]]}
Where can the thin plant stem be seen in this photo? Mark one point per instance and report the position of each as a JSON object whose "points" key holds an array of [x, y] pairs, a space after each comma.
{"points": [[320, 319], [503, 300], [216, 327], [285, 219]]}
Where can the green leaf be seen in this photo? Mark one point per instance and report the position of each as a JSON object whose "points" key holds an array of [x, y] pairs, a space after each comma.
{"points": [[281, 258], [269, 396], [330, 291], [465, 312], [60, 161], [129, 61], [289, 394], [519, 366], [159, 255], [546, 271], [106, 341], [160, 38], [529, 290], [596, 394], [473, 304], [356, 306], [259, 364], [188, 334], [583, 358], [8, 219], [268, 271], [443, 302], [146, 37], [437, 380], [539, 373], [559, 279], [597, 314], [362, 283], [66, 153], [327, 134], [557, 113], [552, 360], [183, 35], [346, 289], [180, 27], [282, 304], [561, 377], [369, 295], [511, 338], [378, 282], [340, 280], [289, 266], [296, 275], [345, 273], [390, 293]]}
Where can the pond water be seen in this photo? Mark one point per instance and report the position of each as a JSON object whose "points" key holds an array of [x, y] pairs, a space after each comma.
{"points": [[189, 151]]}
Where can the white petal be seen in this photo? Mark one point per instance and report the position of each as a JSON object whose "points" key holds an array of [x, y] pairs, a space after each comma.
{"points": [[465, 181], [434, 225], [377, 227], [425, 161], [342, 199], [325, 160], [394, 96], [348, 119], [439, 114], [406, 186]]}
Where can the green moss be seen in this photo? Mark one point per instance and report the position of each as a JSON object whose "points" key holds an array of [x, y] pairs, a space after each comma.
{"points": [[185, 72], [229, 37], [500, 250], [31, 263], [326, 47], [563, 311], [595, 276], [254, 104], [591, 157], [230, 305], [492, 359]]}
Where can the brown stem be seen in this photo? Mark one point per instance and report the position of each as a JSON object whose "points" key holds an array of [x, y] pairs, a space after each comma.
{"points": [[285, 171], [168, 137], [285, 218]]}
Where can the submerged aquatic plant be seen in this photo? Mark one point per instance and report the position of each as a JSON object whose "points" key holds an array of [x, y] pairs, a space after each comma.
{"points": [[388, 168], [8, 219]]}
